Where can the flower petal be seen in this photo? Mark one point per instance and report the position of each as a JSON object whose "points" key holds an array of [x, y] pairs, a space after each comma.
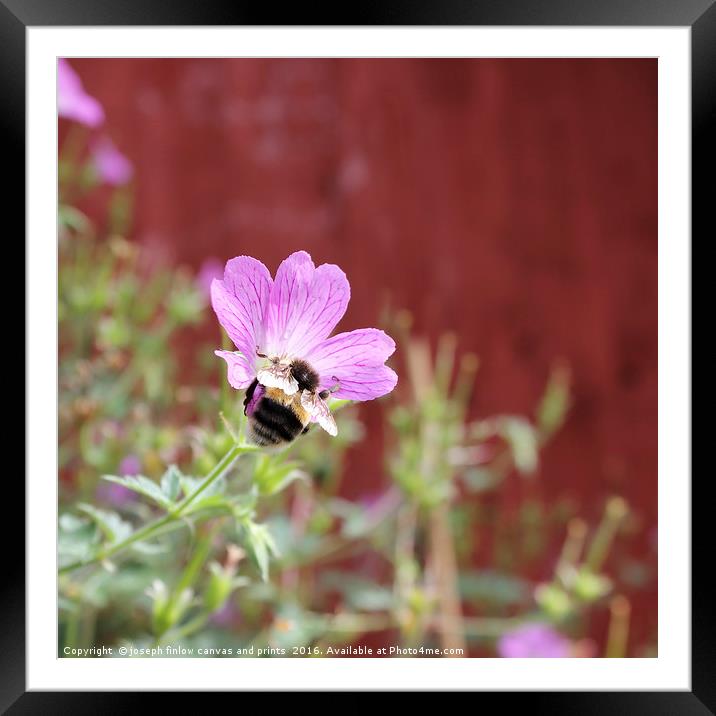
{"points": [[111, 165], [72, 101], [290, 295], [240, 302], [355, 361], [210, 269], [364, 383], [306, 305], [240, 374], [329, 296]]}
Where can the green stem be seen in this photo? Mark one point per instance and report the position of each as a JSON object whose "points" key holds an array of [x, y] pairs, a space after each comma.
{"points": [[153, 528], [615, 511], [224, 464], [618, 636], [73, 626], [144, 533], [185, 630]]}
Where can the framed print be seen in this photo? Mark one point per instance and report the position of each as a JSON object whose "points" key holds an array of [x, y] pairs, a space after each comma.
{"points": [[359, 356]]}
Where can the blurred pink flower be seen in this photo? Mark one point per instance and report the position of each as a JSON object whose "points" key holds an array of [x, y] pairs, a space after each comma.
{"points": [[118, 495], [226, 617], [130, 465], [377, 504], [72, 101], [274, 322], [111, 165], [210, 269], [533, 640]]}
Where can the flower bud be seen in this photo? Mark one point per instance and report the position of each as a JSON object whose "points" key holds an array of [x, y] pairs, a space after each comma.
{"points": [[553, 600], [221, 581], [589, 586]]}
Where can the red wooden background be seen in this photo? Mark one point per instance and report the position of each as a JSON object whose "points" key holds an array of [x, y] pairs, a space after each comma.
{"points": [[511, 201]]}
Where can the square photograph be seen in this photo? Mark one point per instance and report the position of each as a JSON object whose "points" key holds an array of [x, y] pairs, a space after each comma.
{"points": [[357, 358]]}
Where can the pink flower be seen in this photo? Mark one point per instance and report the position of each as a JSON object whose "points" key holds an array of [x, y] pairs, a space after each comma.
{"points": [[111, 165], [226, 617], [130, 465], [119, 495], [533, 640], [275, 323], [210, 269], [72, 101]]}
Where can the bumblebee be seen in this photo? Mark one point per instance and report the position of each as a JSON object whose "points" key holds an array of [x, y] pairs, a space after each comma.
{"points": [[282, 400]]}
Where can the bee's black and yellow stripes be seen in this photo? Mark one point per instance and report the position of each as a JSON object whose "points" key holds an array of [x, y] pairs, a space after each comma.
{"points": [[277, 418], [274, 423]]}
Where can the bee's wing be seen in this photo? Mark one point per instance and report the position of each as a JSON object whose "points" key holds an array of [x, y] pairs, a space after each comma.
{"points": [[278, 376], [319, 411]]}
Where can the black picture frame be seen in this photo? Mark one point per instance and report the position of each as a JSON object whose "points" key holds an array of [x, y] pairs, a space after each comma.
{"points": [[699, 15]]}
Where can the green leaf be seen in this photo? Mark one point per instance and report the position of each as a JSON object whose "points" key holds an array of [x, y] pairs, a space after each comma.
{"points": [[143, 486], [122, 587], [553, 407], [293, 548], [262, 546], [185, 304], [212, 497], [360, 594], [491, 587], [114, 528], [272, 474], [337, 404], [78, 539], [150, 549], [114, 333], [190, 484], [522, 438], [72, 218], [72, 523], [171, 483], [355, 517], [67, 605], [554, 601], [589, 586], [479, 479], [243, 505]]}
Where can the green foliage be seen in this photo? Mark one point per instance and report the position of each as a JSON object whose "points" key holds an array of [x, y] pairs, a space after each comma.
{"points": [[144, 486], [360, 594], [78, 539], [112, 526], [553, 407], [523, 441], [208, 542], [117, 321], [273, 473], [261, 544], [554, 601], [589, 586], [490, 587]]}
